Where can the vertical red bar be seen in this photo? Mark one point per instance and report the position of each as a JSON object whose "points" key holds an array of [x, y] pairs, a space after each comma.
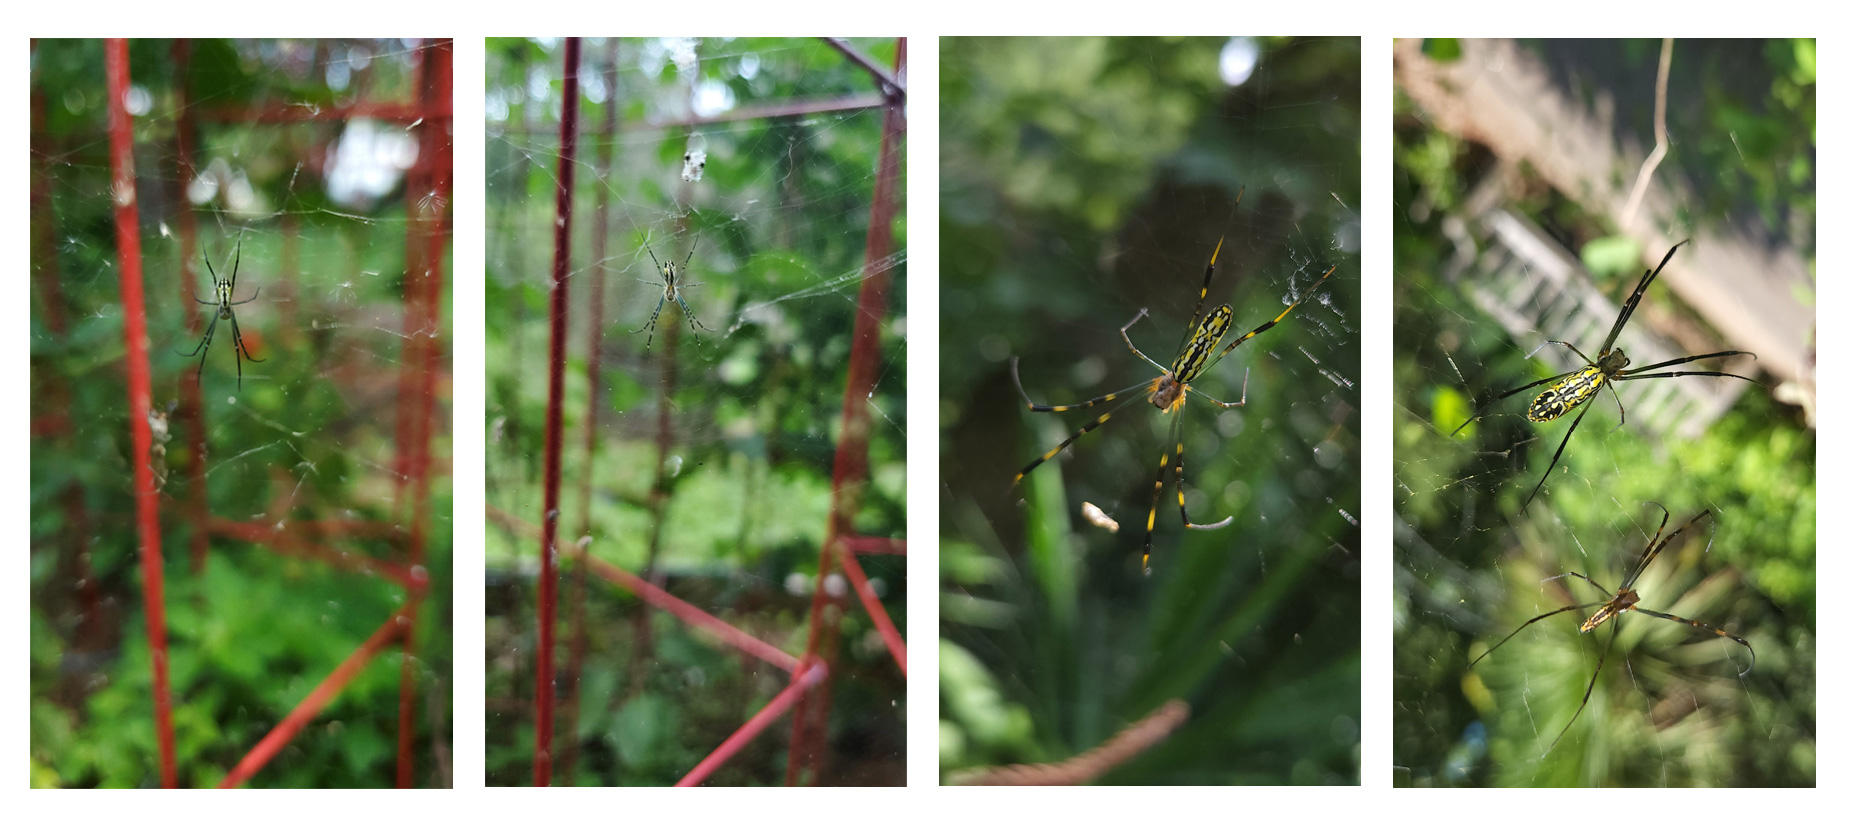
{"points": [[598, 273], [426, 201], [809, 735], [192, 410], [135, 332], [555, 402]]}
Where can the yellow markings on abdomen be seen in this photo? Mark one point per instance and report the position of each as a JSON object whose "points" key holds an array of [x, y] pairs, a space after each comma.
{"points": [[1571, 392]]}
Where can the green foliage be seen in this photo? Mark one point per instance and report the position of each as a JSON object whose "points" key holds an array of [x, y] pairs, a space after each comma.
{"points": [[713, 457], [1083, 178]]}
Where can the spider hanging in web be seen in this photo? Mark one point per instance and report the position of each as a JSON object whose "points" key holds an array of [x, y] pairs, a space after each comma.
{"points": [[1624, 600], [1169, 392], [221, 291], [671, 287], [1578, 387]]}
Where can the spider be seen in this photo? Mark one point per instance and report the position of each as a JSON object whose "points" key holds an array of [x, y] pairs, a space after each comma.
{"points": [[1168, 392], [222, 290], [1581, 385], [1624, 600], [671, 287]]}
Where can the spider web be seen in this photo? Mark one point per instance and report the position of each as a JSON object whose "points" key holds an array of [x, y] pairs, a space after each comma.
{"points": [[751, 400], [319, 206], [1477, 291], [1084, 179]]}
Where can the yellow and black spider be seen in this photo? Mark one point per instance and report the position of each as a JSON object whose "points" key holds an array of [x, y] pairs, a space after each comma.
{"points": [[221, 292], [1169, 391], [1581, 385], [1615, 604], [671, 287]]}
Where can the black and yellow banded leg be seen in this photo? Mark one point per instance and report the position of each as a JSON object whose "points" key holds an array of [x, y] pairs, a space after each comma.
{"points": [[1094, 424], [1181, 497], [1015, 367], [1155, 499], [650, 326], [1594, 582], [1595, 681], [1269, 324], [1518, 630], [1710, 629]]}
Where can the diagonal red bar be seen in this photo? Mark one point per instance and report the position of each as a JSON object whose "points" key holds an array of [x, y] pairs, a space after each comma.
{"points": [[288, 542], [889, 633], [727, 633], [874, 545], [808, 679], [135, 331], [316, 700]]}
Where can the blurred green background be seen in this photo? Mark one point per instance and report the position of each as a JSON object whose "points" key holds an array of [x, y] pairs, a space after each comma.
{"points": [[734, 522], [1669, 708], [308, 437], [1083, 179]]}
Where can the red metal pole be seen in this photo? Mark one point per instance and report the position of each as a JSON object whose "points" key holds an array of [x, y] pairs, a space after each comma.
{"points": [[316, 700], [192, 408], [555, 402], [426, 206], [808, 679], [807, 739], [888, 632], [135, 331], [599, 273]]}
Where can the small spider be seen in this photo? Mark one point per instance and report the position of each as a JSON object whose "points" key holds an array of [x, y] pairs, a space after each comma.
{"points": [[671, 286], [222, 290]]}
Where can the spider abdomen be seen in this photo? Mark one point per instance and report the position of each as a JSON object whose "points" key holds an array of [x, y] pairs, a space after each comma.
{"points": [[1193, 358], [1570, 392]]}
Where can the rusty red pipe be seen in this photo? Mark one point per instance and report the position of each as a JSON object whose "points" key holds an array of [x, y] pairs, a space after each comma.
{"points": [[555, 403], [135, 331], [802, 684]]}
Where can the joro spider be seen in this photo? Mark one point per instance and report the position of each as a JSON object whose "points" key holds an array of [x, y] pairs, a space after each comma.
{"points": [[1168, 392], [221, 291], [671, 287], [1624, 600], [1581, 385]]}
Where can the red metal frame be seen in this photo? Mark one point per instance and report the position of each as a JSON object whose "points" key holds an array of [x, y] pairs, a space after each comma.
{"points": [[807, 693], [428, 195]]}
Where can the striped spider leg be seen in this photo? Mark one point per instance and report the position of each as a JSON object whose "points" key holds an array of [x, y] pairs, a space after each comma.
{"points": [[671, 286], [1578, 387], [221, 293], [1624, 600], [1169, 392]]}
